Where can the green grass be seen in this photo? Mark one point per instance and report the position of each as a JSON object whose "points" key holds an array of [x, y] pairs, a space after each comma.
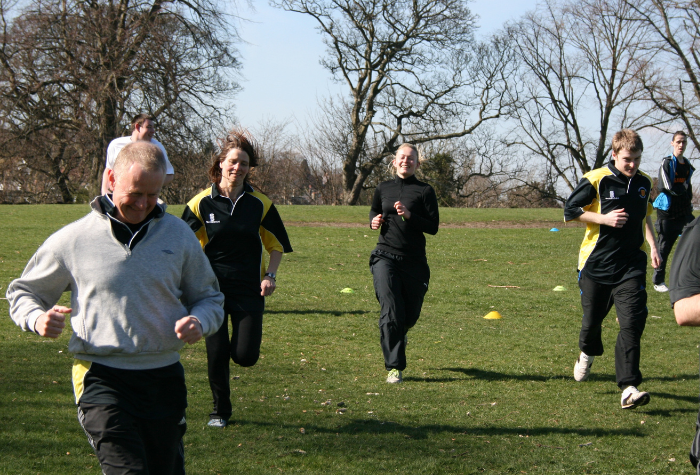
{"points": [[454, 216], [494, 396]]}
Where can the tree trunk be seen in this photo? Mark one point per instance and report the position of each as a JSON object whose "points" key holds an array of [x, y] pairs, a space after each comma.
{"points": [[59, 176]]}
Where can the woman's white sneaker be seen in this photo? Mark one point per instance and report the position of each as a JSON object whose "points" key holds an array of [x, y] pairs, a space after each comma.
{"points": [[394, 376]]}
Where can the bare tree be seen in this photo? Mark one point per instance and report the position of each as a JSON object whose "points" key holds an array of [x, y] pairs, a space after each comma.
{"points": [[472, 170], [414, 73], [285, 172], [74, 71], [673, 84], [327, 143], [191, 165], [581, 64], [276, 146]]}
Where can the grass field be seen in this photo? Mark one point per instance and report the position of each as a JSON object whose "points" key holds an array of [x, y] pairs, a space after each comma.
{"points": [[480, 396]]}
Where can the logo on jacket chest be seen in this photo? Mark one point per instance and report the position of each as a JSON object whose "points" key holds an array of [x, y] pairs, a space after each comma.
{"points": [[641, 191], [212, 219]]}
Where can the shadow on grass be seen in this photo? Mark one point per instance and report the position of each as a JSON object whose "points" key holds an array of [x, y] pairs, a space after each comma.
{"points": [[691, 377], [377, 427], [496, 376], [350, 439], [676, 397], [336, 313], [670, 412], [652, 411]]}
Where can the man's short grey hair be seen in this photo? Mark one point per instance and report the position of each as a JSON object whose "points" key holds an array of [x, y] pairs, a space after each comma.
{"points": [[145, 153]]}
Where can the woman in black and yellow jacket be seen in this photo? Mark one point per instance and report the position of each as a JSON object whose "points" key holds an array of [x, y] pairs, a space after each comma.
{"points": [[234, 223]]}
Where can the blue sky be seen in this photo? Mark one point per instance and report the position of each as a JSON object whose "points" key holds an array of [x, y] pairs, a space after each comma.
{"points": [[282, 77], [283, 80]]}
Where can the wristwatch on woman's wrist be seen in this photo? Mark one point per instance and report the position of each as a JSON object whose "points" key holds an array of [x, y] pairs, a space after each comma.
{"points": [[272, 275]]}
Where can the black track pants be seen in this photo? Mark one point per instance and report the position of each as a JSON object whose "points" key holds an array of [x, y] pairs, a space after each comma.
{"points": [[667, 231], [400, 284], [695, 447], [630, 299], [125, 444], [243, 348]]}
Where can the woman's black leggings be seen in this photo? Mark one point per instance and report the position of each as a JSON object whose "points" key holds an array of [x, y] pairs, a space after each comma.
{"points": [[243, 348]]}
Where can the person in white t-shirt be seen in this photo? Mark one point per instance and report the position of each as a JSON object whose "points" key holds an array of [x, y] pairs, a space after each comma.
{"points": [[143, 127]]}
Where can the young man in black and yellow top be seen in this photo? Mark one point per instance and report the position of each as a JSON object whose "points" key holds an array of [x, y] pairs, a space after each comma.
{"points": [[613, 201]]}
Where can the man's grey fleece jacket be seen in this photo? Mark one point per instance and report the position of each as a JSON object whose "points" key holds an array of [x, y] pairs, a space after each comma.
{"points": [[125, 303]]}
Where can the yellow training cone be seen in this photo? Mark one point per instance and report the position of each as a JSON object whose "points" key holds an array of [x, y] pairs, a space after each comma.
{"points": [[493, 316]]}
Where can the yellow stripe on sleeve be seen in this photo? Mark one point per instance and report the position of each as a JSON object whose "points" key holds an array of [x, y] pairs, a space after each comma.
{"points": [[590, 237], [193, 204]]}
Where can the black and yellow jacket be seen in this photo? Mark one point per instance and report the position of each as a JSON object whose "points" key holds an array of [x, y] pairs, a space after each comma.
{"points": [[233, 235], [611, 255]]}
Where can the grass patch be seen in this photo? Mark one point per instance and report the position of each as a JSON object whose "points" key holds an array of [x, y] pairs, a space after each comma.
{"points": [[452, 216], [494, 396]]}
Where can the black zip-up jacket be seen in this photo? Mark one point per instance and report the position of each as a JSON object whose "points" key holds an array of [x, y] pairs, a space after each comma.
{"points": [[612, 255], [405, 237], [674, 180]]}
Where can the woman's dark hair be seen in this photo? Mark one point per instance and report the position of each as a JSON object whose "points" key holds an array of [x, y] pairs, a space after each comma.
{"points": [[235, 139]]}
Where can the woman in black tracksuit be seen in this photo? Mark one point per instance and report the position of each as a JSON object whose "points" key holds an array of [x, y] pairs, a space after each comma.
{"points": [[234, 224], [404, 208]]}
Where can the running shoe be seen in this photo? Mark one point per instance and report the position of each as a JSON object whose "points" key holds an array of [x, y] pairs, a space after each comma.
{"points": [[217, 422], [582, 368], [633, 397], [394, 376]]}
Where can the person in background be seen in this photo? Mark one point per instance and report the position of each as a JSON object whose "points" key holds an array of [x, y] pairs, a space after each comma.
{"points": [[613, 201], [234, 224], [674, 208], [403, 209], [143, 127], [140, 289]]}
